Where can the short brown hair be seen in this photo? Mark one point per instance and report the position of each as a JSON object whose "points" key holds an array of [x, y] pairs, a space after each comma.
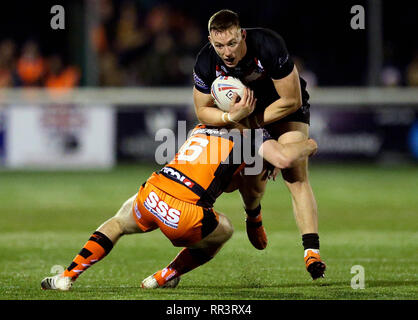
{"points": [[223, 20]]}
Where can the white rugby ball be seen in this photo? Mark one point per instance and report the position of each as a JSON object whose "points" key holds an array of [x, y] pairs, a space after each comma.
{"points": [[223, 88]]}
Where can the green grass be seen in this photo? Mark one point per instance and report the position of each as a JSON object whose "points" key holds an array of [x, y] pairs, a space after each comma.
{"points": [[368, 216]]}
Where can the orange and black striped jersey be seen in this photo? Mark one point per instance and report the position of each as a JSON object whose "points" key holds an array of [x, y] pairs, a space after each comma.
{"points": [[206, 162]]}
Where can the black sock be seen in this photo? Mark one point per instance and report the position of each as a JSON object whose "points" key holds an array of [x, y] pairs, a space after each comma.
{"points": [[103, 240], [253, 212], [310, 241]]}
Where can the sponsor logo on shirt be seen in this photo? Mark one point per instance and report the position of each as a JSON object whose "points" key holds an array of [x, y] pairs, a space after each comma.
{"points": [[178, 176], [160, 209], [209, 131]]}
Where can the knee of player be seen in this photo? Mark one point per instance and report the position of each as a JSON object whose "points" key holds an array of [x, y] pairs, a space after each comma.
{"points": [[224, 229], [228, 229]]}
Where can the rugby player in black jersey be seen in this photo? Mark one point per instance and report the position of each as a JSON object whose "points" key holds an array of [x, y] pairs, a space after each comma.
{"points": [[259, 58]]}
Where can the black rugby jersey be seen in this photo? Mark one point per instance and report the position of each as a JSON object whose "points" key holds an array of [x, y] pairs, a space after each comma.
{"points": [[266, 58]]}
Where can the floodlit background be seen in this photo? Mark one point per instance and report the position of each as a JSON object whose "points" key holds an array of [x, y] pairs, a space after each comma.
{"points": [[70, 157]]}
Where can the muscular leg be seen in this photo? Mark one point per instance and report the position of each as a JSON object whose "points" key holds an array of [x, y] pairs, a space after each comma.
{"points": [[297, 180], [103, 239], [303, 199], [96, 248]]}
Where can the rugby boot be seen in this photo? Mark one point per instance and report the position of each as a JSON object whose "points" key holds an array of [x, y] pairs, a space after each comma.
{"points": [[58, 282], [161, 279], [314, 265]]}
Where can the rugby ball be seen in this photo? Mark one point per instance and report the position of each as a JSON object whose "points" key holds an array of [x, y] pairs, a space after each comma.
{"points": [[222, 90]]}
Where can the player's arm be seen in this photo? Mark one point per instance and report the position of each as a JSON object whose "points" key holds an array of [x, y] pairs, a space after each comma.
{"points": [[286, 155], [207, 113], [205, 109], [290, 100]]}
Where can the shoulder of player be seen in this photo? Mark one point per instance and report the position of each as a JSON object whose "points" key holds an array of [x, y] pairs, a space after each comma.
{"points": [[207, 53]]}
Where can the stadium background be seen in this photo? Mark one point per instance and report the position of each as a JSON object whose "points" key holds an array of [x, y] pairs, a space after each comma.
{"points": [[69, 159]]}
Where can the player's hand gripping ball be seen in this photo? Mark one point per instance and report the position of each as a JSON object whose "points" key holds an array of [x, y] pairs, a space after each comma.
{"points": [[223, 89]]}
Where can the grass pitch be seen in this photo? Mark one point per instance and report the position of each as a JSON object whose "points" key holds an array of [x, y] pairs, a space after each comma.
{"points": [[368, 216]]}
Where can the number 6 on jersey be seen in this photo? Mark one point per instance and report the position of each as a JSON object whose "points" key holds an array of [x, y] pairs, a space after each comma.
{"points": [[195, 149]]}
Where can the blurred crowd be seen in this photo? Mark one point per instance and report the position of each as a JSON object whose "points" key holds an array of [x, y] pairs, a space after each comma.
{"points": [[156, 47], [139, 46], [150, 48], [30, 68]]}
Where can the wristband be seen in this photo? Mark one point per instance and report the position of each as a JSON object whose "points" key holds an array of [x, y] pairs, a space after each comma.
{"points": [[229, 118], [223, 117]]}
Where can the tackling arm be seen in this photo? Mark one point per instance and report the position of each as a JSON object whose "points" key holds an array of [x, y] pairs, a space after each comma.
{"points": [[286, 155], [205, 109]]}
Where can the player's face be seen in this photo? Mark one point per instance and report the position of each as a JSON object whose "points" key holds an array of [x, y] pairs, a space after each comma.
{"points": [[229, 45]]}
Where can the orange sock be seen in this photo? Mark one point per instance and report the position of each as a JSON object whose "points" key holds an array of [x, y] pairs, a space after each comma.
{"points": [[185, 261], [98, 246]]}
